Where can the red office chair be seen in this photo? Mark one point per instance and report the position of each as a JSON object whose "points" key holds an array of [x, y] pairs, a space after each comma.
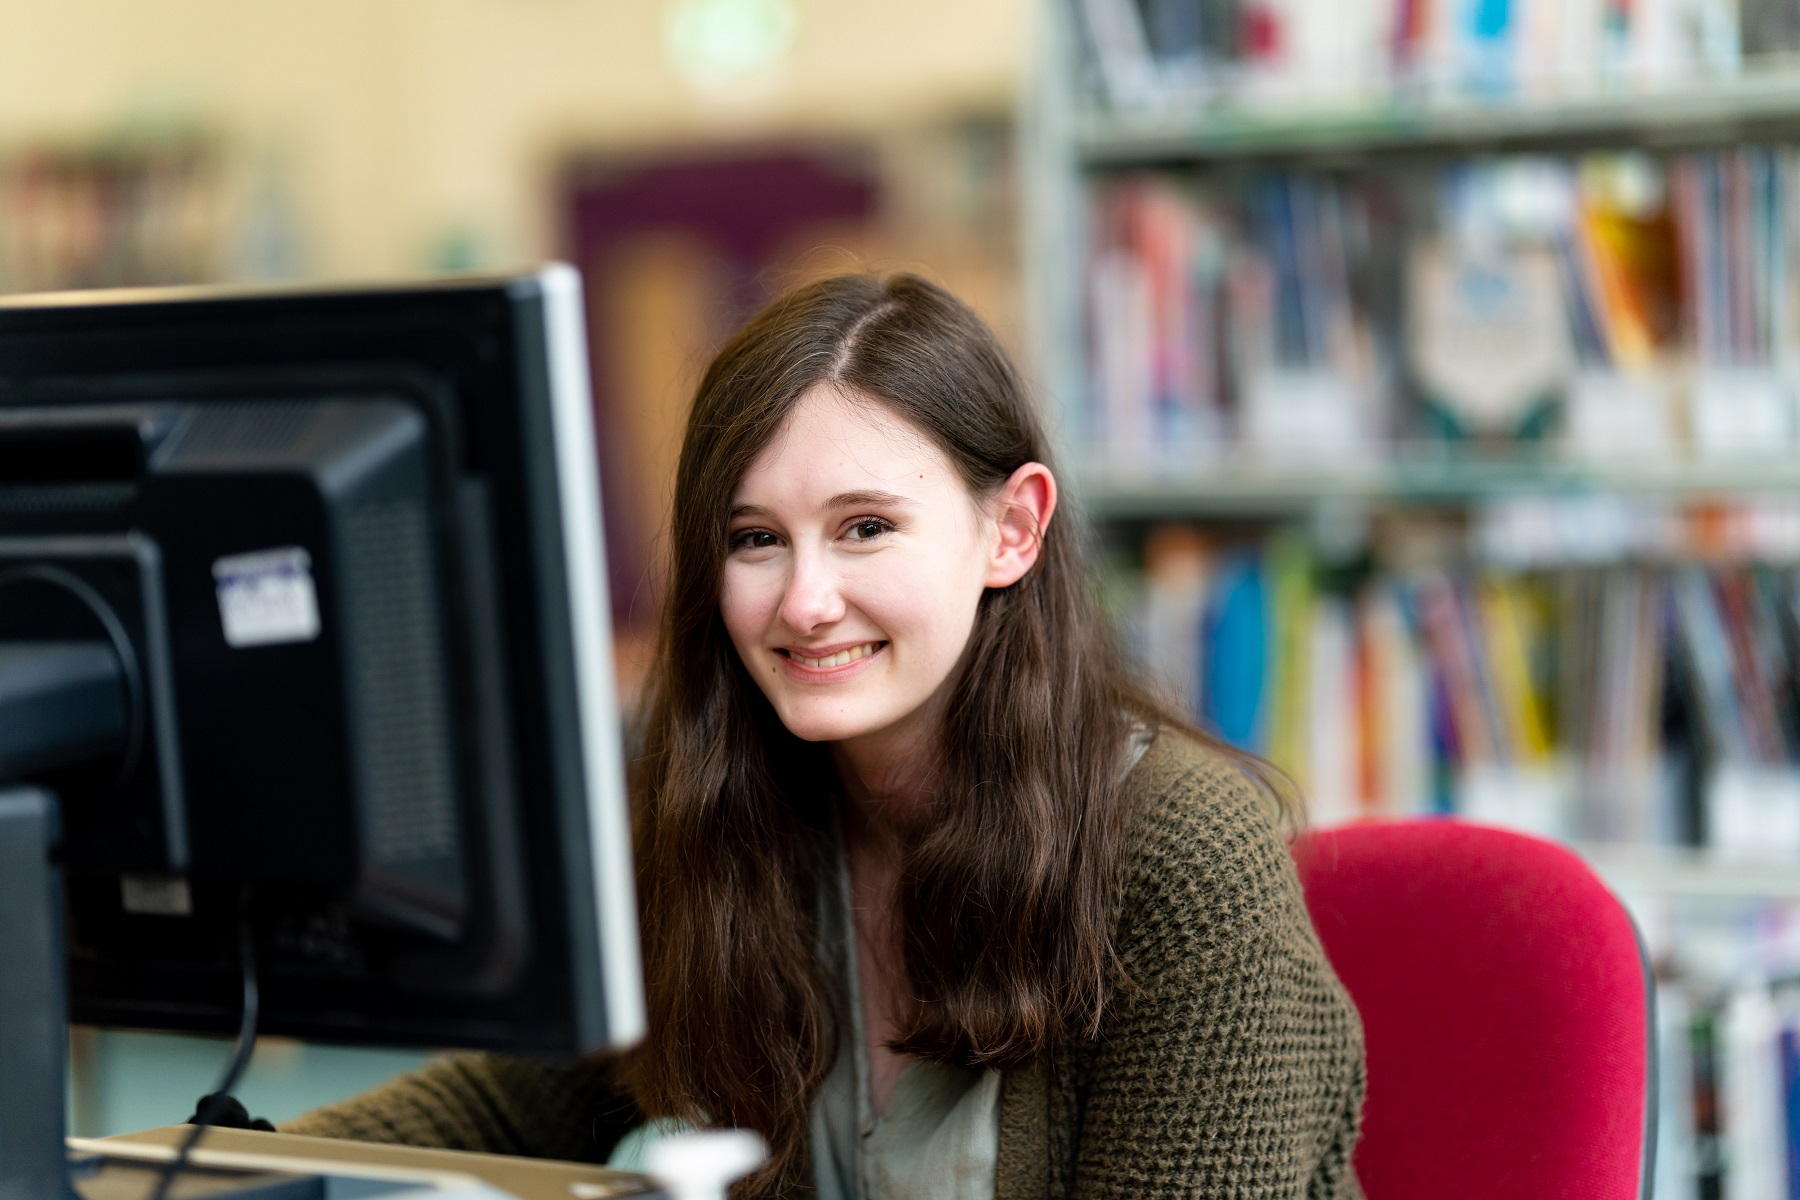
{"points": [[1507, 1011]]}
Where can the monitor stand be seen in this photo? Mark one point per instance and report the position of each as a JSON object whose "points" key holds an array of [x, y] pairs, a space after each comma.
{"points": [[61, 703], [34, 1006]]}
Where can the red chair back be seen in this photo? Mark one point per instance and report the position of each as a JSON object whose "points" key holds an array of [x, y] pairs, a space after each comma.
{"points": [[1506, 1009]]}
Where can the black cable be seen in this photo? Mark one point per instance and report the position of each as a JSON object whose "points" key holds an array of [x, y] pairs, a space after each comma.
{"points": [[214, 1105]]}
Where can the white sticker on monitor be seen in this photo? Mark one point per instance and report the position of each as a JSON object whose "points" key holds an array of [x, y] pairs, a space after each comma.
{"points": [[267, 598]]}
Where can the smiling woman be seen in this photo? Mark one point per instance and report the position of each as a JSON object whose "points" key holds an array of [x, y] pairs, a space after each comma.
{"points": [[934, 895], [858, 559]]}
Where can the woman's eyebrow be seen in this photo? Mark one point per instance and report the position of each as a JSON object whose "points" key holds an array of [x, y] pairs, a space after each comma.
{"points": [[870, 499], [864, 499]]}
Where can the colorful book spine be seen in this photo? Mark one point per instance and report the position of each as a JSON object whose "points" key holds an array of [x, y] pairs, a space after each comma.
{"points": [[1236, 653]]}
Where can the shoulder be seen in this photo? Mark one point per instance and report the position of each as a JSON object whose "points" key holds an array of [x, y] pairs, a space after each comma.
{"points": [[1186, 803], [1203, 849]]}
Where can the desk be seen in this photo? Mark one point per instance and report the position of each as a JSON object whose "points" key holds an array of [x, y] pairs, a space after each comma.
{"points": [[526, 1178]]}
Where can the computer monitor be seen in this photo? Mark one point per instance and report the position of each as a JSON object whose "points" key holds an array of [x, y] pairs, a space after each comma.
{"points": [[302, 601]]}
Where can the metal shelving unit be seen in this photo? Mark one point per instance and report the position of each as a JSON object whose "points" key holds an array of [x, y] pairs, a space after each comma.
{"points": [[1239, 489], [1682, 873], [1758, 105]]}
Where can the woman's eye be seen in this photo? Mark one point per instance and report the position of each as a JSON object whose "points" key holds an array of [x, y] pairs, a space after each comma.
{"points": [[753, 539], [864, 531]]}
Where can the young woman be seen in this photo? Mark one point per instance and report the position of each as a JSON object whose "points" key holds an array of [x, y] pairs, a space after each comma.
{"points": [[935, 896]]}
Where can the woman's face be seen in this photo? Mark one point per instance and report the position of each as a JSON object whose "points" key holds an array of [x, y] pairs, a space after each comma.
{"points": [[857, 559]]}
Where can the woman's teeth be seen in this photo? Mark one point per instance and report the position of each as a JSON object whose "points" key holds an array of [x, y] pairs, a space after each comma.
{"points": [[840, 659]]}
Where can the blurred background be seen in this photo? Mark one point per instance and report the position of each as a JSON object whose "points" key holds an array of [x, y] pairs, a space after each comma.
{"points": [[1428, 370]]}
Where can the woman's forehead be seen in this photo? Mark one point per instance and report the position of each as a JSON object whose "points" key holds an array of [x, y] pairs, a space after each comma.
{"points": [[834, 443]]}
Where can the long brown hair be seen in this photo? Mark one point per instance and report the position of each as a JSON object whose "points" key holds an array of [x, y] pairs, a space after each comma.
{"points": [[1006, 899]]}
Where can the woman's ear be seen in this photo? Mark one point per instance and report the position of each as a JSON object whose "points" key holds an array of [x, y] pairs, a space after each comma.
{"points": [[1023, 508]]}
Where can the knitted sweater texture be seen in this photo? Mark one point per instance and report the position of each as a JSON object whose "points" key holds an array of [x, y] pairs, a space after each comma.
{"points": [[1231, 1065]]}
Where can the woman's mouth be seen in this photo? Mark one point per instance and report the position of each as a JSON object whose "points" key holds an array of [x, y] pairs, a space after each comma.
{"points": [[829, 661]]}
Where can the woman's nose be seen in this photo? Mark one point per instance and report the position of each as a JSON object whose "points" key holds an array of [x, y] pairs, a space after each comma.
{"points": [[813, 597]]}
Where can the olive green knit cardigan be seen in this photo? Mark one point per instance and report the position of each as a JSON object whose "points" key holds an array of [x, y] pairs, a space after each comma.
{"points": [[1234, 1067]]}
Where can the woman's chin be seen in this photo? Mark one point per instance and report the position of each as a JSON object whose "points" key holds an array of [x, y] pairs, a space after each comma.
{"points": [[833, 726], [825, 731]]}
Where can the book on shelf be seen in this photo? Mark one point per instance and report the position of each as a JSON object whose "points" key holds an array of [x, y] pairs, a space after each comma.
{"points": [[1235, 645], [1677, 1130], [1608, 307]]}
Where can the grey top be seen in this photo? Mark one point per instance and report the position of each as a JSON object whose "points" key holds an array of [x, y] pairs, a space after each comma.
{"points": [[940, 1136]]}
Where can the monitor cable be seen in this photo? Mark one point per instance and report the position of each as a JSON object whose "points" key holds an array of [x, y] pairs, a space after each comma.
{"points": [[215, 1104]]}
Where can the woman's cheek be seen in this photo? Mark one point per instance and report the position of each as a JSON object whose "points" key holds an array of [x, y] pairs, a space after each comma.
{"points": [[881, 586], [744, 604], [903, 613]]}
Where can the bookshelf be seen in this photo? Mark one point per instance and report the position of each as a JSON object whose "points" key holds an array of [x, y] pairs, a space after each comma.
{"points": [[1077, 142], [1596, 634], [141, 206]]}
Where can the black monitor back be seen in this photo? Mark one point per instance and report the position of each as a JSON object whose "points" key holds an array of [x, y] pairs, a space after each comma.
{"points": [[347, 546]]}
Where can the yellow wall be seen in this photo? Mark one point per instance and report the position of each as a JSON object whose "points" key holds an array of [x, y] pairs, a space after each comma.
{"points": [[399, 122]]}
